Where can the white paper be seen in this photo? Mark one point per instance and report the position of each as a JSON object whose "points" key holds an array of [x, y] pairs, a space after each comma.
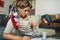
{"points": [[36, 39], [46, 39]]}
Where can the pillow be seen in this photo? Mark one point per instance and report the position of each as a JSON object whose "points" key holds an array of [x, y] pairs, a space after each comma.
{"points": [[46, 17]]}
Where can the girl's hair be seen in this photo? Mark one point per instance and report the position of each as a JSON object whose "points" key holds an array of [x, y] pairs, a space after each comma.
{"points": [[23, 4]]}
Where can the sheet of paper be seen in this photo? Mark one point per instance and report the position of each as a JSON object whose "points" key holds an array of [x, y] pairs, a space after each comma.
{"points": [[36, 39], [52, 39], [46, 39]]}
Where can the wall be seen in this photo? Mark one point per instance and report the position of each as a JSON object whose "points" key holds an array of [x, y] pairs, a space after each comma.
{"points": [[6, 7], [42, 7], [47, 7]]}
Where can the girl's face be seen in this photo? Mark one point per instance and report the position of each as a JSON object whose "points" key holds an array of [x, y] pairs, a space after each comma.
{"points": [[23, 12]]}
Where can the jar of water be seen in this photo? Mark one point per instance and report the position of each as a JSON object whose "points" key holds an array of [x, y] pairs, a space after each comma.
{"points": [[44, 36]]}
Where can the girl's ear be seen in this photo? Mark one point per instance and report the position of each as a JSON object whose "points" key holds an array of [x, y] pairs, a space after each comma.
{"points": [[18, 8]]}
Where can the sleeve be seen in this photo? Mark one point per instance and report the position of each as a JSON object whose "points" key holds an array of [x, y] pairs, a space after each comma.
{"points": [[9, 27]]}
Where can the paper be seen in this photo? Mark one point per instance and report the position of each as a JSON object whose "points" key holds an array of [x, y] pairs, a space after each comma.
{"points": [[52, 39], [36, 39], [46, 39]]}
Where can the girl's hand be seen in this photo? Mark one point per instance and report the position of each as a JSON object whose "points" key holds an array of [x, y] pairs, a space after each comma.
{"points": [[31, 24], [25, 38]]}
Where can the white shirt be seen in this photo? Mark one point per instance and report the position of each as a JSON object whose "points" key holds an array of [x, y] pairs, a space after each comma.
{"points": [[24, 26]]}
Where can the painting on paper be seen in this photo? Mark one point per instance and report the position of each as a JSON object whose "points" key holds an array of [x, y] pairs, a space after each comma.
{"points": [[2, 3]]}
